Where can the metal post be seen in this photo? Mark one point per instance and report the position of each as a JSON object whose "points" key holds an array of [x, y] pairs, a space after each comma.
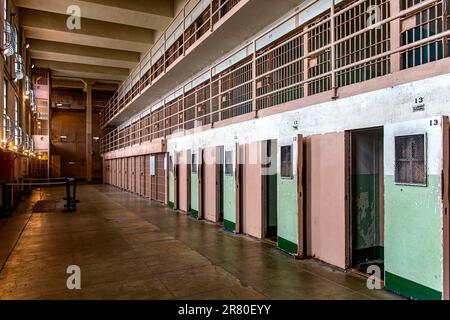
{"points": [[68, 198]]}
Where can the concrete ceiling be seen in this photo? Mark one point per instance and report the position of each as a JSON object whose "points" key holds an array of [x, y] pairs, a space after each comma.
{"points": [[113, 35]]}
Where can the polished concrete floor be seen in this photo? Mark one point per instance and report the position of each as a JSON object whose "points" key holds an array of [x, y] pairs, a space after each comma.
{"points": [[128, 247]]}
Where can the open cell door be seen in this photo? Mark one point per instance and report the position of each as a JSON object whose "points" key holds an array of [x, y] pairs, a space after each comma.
{"points": [[300, 198], [200, 184], [210, 184], [175, 180], [252, 190], [326, 159], [290, 197], [239, 149]]}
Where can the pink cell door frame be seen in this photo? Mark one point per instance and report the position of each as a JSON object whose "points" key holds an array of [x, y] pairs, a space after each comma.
{"points": [[200, 184], [175, 180], [446, 203], [238, 184], [300, 198]]}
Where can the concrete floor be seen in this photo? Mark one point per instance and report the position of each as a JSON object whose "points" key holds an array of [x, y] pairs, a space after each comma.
{"points": [[131, 248]]}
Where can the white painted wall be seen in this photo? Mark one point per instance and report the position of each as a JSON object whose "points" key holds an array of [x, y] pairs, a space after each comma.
{"points": [[433, 142]]}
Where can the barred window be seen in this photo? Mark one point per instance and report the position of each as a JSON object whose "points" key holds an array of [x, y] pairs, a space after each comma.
{"points": [[410, 155], [229, 163], [286, 162], [194, 166], [170, 163]]}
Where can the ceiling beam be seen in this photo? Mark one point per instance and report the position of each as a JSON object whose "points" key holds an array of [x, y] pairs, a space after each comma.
{"points": [[52, 27], [155, 14], [81, 71], [58, 51], [70, 83]]}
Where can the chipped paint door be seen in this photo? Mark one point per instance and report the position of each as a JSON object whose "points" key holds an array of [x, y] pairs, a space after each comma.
{"points": [[327, 197]]}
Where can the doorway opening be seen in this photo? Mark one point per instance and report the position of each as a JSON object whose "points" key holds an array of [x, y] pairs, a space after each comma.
{"points": [[220, 182], [270, 177], [367, 200]]}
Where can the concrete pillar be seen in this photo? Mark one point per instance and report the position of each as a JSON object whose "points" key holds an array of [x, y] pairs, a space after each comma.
{"points": [[89, 163]]}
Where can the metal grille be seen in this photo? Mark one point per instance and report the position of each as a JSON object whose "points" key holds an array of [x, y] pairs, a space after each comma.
{"points": [[158, 124], [221, 8], [197, 29], [173, 116], [354, 46], [236, 91], [410, 160], [203, 107], [175, 51], [305, 62], [318, 66], [278, 70], [189, 110], [422, 25], [405, 4], [319, 37]]}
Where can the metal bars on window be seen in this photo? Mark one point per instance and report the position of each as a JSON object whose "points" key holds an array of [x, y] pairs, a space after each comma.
{"points": [[159, 59], [421, 25], [310, 60]]}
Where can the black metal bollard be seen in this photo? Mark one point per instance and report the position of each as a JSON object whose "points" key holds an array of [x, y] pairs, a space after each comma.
{"points": [[68, 198], [6, 200]]}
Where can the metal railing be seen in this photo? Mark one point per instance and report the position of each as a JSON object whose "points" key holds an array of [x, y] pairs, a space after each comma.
{"points": [[187, 27], [322, 55]]}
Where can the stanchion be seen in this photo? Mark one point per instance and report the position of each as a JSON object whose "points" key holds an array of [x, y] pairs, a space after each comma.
{"points": [[70, 198]]}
